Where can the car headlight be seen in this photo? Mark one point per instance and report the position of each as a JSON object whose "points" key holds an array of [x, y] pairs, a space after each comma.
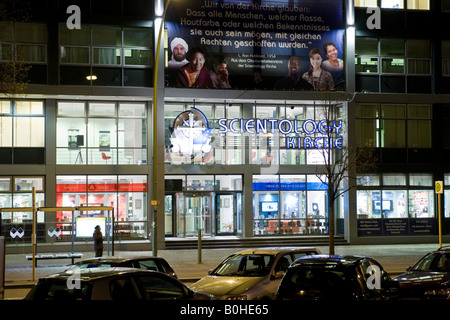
{"points": [[443, 293], [236, 297]]}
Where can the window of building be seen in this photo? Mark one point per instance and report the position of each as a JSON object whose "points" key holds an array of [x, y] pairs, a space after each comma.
{"points": [[392, 4], [399, 126], [26, 44], [399, 196], [418, 4], [22, 139], [126, 193], [107, 133], [17, 192], [115, 56], [388, 65], [447, 195], [445, 5], [366, 3], [395, 4], [446, 58], [289, 204], [234, 141], [222, 148]]}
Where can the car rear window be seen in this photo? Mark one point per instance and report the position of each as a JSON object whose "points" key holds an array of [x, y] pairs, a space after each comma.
{"points": [[150, 265], [59, 290], [302, 280]]}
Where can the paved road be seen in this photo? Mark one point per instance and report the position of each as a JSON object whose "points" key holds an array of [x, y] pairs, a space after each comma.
{"points": [[394, 258]]}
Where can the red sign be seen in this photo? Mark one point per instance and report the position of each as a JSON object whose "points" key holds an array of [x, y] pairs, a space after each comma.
{"points": [[101, 187]]}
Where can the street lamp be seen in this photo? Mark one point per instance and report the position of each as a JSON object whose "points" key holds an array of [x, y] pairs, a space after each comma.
{"points": [[154, 202]]}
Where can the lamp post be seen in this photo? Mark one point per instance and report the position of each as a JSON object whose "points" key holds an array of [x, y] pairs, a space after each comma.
{"points": [[154, 201]]}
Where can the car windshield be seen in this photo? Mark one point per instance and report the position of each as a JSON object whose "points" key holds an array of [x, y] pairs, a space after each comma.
{"points": [[246, 265], [438, 262]]}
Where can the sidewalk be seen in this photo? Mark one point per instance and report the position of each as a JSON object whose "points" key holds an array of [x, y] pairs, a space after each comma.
{"points": [[394, 258]]}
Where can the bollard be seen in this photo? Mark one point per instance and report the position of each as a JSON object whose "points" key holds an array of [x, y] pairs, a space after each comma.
{"points": [[199, 246]]}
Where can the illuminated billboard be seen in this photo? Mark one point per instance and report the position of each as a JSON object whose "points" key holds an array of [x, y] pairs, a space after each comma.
{"points": [[270, 45]]}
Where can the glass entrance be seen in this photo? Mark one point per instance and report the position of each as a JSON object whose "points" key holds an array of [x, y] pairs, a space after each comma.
{"points": [[199, 207], [226, 213]]}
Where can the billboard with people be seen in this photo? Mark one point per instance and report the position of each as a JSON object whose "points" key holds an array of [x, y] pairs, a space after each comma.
{"points": [[244, 44]]}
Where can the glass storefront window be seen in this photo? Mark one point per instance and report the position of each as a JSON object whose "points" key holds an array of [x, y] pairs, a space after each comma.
{"points": [[289, 204], [368, 204], [132, 110], [197, 183], [368, 180], [392, 4], [394, 180], [102, 109], [393, 204], [421, 203], [227, 182], [421, 180], [5, 184], [102, 137], [71, 109], [27, 184], [126, 193]]}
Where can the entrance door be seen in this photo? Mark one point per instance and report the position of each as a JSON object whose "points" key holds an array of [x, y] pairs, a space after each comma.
{"points": [[226, 213], [199, 207]]}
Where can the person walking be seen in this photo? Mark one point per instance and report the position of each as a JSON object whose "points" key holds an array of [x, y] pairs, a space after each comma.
{"points": [[98, 241]]}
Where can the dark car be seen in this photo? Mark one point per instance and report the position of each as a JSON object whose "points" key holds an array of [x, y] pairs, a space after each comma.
{"points": [[429, 278], [112, 284], [139, 262], [332, 278]]}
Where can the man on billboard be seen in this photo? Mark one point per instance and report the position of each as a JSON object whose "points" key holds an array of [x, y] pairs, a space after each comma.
{"points": [[179, 49], [293, 80]]}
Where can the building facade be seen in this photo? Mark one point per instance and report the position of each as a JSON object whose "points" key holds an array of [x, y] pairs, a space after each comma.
{"points": [[245, 156]]}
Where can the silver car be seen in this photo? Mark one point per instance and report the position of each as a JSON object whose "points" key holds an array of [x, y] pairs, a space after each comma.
{"points": [[252, 274]]}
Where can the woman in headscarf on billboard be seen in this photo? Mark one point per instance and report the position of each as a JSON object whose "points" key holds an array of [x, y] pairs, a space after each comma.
{"points": [[195, 74], [316, 76]]}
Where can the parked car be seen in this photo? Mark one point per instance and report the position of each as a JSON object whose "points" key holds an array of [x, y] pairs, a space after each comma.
{"points": [[429, 278], [336, 278], [252, 274], [139, 262], [112, 284]]}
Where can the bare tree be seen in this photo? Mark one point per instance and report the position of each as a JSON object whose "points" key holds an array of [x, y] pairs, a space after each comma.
{"points": [[13, 70], [339, 161]]}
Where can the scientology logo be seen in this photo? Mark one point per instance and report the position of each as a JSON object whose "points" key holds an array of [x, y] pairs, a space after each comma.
{"points": [[190, 136]]}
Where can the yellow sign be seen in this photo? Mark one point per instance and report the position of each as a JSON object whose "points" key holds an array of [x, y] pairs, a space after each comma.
{"points": [[154, 202], [439, 187]]}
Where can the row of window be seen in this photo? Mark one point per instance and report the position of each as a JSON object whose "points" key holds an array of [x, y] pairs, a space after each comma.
{"points": [[116, 133], [393, 196], [238, 146], [400, 4], [393, 126]]}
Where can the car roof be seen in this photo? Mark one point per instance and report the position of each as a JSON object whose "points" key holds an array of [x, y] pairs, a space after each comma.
{"points": [[116, 259], [322, 259], [444, 249], [90, 274], [275, 250]]}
